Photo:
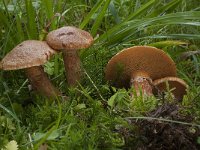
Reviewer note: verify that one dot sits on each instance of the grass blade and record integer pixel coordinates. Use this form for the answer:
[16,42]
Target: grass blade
[175,36]
[141,10]
[166,8]
[164,120]
[10,113]
[134,15]
[99,18]
[127,29]
[114,12]
[31,16]
[48,7]
[20,32]
[167,43]
[91,13]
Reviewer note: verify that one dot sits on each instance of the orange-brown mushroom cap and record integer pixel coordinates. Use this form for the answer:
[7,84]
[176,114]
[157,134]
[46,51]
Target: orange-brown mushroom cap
[27,54]
[69,38]
[173,82]
[150,60]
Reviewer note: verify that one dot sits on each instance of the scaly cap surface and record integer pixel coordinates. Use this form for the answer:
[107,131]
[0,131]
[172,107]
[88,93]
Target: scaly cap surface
[27,54]
[69,38]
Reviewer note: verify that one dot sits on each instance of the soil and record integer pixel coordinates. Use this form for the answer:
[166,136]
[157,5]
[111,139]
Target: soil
[160,135]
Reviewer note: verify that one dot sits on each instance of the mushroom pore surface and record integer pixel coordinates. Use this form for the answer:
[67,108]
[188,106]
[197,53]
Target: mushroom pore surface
[178,86]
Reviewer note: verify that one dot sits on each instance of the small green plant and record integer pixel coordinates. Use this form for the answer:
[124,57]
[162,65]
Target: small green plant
[12,145]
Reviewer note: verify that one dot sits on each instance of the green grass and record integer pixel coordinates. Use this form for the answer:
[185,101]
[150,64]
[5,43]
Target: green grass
[83,122]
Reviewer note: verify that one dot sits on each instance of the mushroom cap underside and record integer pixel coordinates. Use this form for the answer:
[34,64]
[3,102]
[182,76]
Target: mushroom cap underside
[178,86]
[69,38]
[150,60]
[27,54]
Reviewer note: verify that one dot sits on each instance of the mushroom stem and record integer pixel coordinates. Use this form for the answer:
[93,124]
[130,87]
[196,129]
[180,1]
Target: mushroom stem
[39,80]
[141,82]
[72,67]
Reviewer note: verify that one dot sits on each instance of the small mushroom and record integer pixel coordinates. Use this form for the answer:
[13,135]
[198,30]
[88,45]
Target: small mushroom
[30,55]
[70,40]
[137,66]
[178,86]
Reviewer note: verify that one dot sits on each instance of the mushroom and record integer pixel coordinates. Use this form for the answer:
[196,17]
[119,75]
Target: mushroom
[70,40]
[173,82]
[137,66]
[30,55]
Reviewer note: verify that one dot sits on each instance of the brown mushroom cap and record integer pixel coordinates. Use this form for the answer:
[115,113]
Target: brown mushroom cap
[69,38]
[174,82]
[27,54]
[150,60]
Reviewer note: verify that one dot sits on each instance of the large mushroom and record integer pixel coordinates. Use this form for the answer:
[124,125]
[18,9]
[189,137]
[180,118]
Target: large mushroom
[178,86]
[70,40]
[30,55]
[137,66]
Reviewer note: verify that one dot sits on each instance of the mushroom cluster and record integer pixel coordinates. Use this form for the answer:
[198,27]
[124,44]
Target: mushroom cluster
[30,55]
[144,67]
